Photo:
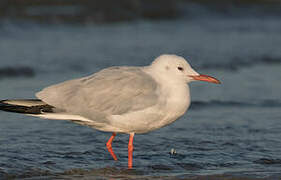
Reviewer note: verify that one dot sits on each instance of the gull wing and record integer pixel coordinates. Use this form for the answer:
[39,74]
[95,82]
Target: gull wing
[112,91]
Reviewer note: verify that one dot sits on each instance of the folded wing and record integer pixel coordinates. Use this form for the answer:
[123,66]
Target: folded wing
[112,91]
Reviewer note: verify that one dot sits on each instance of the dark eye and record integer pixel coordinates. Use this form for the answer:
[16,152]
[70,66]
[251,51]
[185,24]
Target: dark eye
[180,68]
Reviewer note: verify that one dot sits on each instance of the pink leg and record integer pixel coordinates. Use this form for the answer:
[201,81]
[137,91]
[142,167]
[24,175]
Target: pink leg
[130,151]
[109,147]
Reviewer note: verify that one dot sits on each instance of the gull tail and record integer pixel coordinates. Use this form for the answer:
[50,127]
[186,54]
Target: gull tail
[38,108]
[26,106]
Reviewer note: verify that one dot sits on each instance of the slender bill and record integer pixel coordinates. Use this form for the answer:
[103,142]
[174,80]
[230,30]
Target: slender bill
[206,78]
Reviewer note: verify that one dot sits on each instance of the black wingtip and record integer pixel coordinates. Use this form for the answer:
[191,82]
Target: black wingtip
[36,109]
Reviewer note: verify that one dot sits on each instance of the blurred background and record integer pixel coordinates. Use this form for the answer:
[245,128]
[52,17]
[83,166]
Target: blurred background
[230,131]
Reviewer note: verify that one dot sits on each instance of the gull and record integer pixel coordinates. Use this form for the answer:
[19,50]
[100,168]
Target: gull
[120,99]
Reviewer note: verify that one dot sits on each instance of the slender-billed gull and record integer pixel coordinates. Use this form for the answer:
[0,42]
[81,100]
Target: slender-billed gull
[120,99]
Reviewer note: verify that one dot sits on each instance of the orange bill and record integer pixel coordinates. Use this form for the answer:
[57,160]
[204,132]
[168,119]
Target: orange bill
[206,78]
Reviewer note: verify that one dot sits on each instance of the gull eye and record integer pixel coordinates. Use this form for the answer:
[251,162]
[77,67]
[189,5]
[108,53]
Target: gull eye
[180,68]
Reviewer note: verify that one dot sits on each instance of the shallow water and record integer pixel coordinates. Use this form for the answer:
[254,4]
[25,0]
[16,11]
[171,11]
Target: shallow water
[231,130]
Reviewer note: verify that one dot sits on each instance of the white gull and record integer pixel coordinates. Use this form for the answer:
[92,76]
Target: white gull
[119,99]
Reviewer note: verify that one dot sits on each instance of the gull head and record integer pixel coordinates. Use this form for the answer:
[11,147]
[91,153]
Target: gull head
[177,69]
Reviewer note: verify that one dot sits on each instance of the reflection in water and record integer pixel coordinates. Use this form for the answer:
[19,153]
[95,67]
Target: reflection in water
[113,173]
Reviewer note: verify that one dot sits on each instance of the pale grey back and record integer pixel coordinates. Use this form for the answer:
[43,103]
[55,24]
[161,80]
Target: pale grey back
[111,91]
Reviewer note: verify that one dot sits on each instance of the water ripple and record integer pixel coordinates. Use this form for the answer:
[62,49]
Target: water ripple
[268,161]
[268,103]
[12,72]
[237,63]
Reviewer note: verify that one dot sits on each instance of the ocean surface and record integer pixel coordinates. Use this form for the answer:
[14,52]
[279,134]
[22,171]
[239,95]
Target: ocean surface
[232,130]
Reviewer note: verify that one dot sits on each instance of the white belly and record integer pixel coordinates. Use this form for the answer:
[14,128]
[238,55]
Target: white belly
[170,108]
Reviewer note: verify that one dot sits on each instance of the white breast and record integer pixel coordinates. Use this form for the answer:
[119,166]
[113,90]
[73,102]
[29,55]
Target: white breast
[177,102]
